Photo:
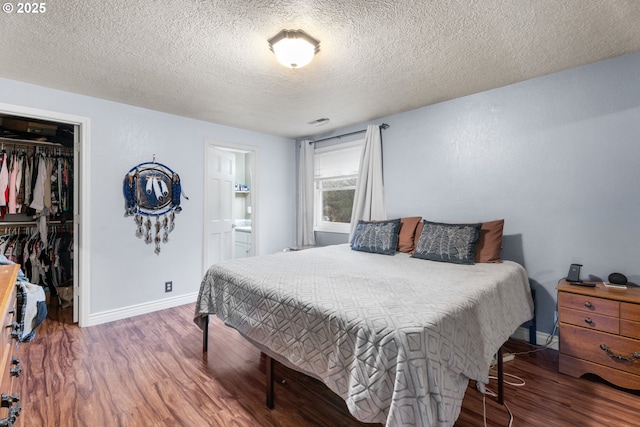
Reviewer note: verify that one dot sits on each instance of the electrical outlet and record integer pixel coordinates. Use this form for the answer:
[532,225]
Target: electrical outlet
[168,286]
[508,357]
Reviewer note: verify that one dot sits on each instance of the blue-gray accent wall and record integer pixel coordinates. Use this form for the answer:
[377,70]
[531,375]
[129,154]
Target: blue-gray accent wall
[557,157]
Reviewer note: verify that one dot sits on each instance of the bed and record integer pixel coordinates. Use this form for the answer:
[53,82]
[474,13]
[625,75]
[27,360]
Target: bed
[397,337]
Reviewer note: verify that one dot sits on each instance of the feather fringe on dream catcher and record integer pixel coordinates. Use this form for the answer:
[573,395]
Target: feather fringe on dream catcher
[152,195]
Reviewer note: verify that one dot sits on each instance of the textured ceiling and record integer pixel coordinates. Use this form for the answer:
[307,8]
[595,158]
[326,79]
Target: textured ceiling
[210,60]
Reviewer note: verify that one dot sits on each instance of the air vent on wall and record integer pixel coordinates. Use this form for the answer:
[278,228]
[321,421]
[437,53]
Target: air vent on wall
[320,122]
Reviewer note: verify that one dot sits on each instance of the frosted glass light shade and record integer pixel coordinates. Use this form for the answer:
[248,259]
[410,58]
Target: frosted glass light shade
[294,48]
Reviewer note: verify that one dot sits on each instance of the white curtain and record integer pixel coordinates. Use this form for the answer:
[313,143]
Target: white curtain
[368,202]
[305,196]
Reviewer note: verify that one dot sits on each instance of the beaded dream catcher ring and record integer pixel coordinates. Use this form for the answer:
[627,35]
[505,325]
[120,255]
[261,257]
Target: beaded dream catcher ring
[152,193]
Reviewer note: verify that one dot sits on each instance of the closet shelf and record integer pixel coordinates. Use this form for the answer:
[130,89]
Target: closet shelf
[11,141]
[34,223]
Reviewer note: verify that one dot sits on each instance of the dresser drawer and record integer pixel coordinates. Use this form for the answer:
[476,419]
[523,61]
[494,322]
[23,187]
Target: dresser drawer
[590,320]
[630,311]
[8,322]
[629,328]
[589,304]
[585,344]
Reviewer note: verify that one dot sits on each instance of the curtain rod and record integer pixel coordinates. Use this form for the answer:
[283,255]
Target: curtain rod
[382,126]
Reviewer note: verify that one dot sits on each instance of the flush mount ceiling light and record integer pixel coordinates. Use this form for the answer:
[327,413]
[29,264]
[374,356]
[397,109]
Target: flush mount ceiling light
[294,48]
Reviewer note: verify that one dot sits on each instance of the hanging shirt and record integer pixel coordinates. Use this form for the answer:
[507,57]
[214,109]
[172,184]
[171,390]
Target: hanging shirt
[59,179]
[27,180]
[19,186]
[4,180]
[47,182]
[13,179]
[38,188]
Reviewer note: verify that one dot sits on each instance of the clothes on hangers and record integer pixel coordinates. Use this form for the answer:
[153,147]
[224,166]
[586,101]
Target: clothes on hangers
[48,265]
[31,180]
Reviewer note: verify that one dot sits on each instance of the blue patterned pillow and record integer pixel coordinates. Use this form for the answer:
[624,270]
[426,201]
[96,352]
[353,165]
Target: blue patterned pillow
[454,243]
[380,237]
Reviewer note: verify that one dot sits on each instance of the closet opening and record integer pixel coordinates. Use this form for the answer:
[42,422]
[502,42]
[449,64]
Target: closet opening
[39,203]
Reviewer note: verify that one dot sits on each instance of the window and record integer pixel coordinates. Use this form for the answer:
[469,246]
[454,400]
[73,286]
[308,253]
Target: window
[335,176]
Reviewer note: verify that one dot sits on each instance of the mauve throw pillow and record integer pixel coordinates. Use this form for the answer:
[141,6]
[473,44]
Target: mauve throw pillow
[490,241]
[407,236]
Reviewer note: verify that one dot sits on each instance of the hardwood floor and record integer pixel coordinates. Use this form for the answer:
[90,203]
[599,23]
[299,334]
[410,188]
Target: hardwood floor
[150,371]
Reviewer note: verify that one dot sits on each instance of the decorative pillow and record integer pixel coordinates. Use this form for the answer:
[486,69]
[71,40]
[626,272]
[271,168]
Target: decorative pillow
[417,236]
[454,243]
[407,236]
[380,237]
[490,242]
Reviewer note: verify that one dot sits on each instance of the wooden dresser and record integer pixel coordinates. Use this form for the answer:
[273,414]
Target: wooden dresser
[600,333]
[9,364]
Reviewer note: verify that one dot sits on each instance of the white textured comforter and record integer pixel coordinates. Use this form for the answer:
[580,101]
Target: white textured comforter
[396,337]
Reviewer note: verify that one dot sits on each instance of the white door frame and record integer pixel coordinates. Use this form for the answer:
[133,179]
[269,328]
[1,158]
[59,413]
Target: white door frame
[81,251]
[252,194]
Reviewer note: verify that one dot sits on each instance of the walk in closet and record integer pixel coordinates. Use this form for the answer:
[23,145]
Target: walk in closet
[37,200]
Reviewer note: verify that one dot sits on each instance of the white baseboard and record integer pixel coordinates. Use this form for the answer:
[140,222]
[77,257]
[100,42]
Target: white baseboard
[522,333]
[136,310]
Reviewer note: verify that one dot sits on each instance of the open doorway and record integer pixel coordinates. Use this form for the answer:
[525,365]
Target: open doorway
[230,226]
[62,140]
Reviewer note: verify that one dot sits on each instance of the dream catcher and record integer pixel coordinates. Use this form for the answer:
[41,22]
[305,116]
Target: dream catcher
[152,194]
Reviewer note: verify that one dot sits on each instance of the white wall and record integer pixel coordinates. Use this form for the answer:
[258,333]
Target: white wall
[558,157]
[126,275]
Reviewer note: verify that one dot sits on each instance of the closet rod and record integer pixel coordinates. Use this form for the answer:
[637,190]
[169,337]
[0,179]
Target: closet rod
[11,141]
[10,224]
[382,126]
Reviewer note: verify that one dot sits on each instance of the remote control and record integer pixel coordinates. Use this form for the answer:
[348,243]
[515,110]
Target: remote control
[586,284]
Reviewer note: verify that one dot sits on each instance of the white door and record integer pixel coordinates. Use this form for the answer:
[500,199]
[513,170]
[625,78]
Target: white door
[219,192]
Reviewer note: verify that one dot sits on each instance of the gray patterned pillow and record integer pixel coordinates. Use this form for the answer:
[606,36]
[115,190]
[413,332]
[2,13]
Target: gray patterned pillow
[380,237]
[454,243]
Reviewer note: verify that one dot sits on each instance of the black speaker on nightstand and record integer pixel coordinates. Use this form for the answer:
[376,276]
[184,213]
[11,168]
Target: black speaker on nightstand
[620,279]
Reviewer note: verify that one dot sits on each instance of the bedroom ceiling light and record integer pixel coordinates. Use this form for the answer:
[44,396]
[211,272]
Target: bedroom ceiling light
[294,48]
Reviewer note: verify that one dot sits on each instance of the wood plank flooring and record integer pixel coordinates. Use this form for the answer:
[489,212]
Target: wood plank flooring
[150,371]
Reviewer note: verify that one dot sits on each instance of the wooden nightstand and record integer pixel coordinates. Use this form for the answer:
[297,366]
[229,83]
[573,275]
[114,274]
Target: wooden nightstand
[600,333]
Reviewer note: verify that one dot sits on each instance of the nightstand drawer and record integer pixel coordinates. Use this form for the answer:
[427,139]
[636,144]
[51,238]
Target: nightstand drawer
[586,344]
[629,328]
[590,320]
[630,311]
[589,304]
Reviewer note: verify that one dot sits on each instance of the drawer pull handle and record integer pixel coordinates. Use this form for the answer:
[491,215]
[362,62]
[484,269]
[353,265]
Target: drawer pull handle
[588,320]
[634,355]
[14,325]
[587,304]
[15,372]
[11,418]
